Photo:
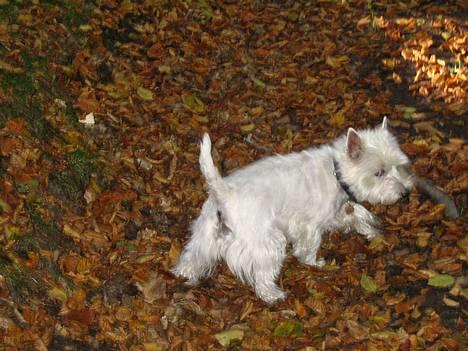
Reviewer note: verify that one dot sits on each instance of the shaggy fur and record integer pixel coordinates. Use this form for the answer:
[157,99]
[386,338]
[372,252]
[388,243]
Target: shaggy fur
[251,215]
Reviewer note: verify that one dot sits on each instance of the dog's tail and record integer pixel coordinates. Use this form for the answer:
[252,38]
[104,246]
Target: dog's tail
[216,184]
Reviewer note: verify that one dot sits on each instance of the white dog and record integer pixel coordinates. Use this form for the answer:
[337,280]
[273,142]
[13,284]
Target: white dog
[253,213]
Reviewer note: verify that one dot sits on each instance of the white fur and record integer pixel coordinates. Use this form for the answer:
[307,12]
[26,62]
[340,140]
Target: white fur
[251,215]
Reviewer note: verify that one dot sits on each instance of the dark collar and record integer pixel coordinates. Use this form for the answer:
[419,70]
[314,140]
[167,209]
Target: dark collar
[343,184]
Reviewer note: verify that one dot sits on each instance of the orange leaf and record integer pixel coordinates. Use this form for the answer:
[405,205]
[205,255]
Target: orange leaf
[260,53]
[300,308]
[84,316]
[110,197]
[77,300]
[156,51]
[7,145]
[15,126]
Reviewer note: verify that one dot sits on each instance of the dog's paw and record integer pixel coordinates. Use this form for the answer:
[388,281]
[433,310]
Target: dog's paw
[377,235]
[192,282]
[272,295]
[320,262]
[373,233]
[314,262]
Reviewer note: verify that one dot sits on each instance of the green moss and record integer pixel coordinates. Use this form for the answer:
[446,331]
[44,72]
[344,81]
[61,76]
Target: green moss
[27,186]
[73,14]
[46,234]
[20,282]
[81,165]
[25,100]
[105,177]
[70,185]
[24,244]
[9,11]
[71,114]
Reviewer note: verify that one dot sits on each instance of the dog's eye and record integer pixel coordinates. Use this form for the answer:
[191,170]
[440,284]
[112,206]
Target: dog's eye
[380,173]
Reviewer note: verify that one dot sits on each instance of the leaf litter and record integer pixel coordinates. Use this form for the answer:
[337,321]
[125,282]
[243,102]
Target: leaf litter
[102,104]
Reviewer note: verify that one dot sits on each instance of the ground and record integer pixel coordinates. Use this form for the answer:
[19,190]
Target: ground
[102,106]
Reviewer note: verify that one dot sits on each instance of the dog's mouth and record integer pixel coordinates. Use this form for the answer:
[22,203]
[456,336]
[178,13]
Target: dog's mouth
[401,194]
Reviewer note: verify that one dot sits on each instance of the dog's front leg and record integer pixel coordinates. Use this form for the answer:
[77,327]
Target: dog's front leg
[357,217]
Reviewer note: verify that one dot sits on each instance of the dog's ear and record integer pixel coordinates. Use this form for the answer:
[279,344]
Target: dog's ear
[353,144]
[385,123]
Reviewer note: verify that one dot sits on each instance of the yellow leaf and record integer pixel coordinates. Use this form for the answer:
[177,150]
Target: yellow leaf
[164,69]
[225,337]
[375,243]
[257,111]
[258,82]
[58,294]
[117,91]
[336,61]
[153,346]
[85,28]
[389,63]
[77,300]
[247,128]
[368,283]
[193,103]
[201,118]
[123,314]
[9,68]
[4,206]
[174,252]
[364,21]
[24,18]
[69,231]
[337,120]
[12,231]
[145,94]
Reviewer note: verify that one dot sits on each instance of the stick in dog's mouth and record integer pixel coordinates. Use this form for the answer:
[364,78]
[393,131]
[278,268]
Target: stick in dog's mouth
[426,187]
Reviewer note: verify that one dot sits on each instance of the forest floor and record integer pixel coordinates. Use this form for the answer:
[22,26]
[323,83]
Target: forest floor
[102,106]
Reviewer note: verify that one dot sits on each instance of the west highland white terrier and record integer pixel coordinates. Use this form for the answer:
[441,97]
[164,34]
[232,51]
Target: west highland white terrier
[251,215]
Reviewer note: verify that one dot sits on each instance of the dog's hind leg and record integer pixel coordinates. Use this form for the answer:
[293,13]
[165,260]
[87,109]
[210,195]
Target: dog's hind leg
[306,247]
[259,263]
[201,253]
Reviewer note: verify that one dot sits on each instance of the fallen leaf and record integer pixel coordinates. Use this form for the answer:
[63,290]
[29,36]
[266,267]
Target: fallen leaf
[441,281]
[288,328]
[145,94]
[368,283]
[58,294]
[164,69]
[258,82]
[247,128]
[337,61]
[337,120]
[84,316]
[25,19]
[154,288]
[88,119]
[193,103]
[9,68]
[88,103]
[226,337]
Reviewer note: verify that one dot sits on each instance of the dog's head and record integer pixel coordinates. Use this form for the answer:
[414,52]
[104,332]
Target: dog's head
[373,166]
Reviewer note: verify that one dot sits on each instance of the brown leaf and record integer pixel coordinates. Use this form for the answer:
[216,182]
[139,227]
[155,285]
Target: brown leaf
[88,103]
[154,288]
